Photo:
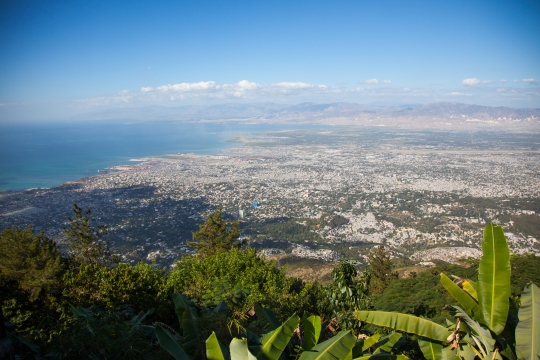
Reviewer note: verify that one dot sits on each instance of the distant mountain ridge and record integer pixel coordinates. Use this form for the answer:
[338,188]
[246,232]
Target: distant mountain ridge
[442,115]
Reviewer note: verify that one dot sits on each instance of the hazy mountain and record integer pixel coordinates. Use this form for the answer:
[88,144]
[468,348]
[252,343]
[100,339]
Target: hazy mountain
[449,116]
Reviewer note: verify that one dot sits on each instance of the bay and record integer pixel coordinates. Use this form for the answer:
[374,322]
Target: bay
[37,155]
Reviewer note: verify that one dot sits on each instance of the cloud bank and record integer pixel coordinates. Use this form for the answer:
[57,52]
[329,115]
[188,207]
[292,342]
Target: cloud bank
[245,91]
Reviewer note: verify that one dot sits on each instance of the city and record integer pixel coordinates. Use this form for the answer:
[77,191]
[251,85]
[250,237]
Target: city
[321,194]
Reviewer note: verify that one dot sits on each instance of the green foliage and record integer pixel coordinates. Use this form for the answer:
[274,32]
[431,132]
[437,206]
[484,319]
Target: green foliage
[494,279]
[423,295]
[337,347]
[525,269]
[216,235]
[468,302]
[215,349]
[479,329]
[381,270]
[249,279]
[528,330]
[84,240]
[29,263]
[141,286]
[347,293]
[274,342]
[406,323]
[312,331]
[169,342]
[30,281]
[101,335]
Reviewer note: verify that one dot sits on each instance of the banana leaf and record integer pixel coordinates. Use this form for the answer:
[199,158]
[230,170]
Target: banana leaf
[215,349]
[434,350]
[273,343]
[528,329]
[312,331]
[267,317]
[470,287]
[168,342]
[337,347]
[221,309]
[181,302]
[482,336]
[190,327]
[406,323]
[469,304]
[382,356]
[388,343]
[494,279]
[239,350]
[465,352]
[370,341]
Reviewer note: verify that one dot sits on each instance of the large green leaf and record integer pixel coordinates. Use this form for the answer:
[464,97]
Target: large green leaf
[528,329]
[215,349]
[382,356]
[470,287]
[273,343]
[239,350]
[169,343]
[190,327]
[432,350]
[312,330]
[494,279]
[370,341]
[181,304]
[337,347]
[406,323]
[267,317]
[469,304]
[388,343]
[466,352]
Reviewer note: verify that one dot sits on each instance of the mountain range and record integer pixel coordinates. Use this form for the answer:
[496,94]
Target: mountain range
[442,115]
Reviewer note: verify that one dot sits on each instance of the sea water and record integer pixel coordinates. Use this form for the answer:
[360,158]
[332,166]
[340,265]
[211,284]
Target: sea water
[36,155]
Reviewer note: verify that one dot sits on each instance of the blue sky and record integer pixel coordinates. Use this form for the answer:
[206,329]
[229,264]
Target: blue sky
[66,57]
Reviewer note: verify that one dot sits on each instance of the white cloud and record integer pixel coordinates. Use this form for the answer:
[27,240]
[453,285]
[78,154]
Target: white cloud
[188,87]
[475,81]
[516,80]
[376,81]
[470,82]
[531,81]
[293,85]
[371,81]
[245,91]
[503,81]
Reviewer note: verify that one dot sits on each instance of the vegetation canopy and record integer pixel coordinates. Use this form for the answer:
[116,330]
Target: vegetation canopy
[216,235]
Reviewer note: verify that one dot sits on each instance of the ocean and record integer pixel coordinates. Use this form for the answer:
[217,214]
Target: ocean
[42,155]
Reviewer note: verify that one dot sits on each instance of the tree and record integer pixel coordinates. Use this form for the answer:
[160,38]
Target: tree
[348,293]
[381,270]
[29,262]
[31,269]
[216,235]
[84,240]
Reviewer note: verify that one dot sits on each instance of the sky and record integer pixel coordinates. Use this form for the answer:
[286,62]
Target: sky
[61,58]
